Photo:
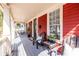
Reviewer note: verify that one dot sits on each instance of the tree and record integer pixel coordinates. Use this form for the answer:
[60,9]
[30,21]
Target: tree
[1,21]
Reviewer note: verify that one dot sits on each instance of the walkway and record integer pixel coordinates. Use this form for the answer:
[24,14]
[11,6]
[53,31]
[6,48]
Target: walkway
[24,47]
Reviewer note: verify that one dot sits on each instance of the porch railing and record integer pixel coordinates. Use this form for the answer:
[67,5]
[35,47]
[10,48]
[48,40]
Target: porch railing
[5,46]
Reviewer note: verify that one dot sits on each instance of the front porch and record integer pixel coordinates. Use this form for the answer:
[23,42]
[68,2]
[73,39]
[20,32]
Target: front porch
[59,23]
[24,47]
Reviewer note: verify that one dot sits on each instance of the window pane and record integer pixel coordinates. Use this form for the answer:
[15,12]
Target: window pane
[54,22]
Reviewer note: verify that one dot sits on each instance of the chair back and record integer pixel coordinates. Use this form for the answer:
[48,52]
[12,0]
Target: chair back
[44,36]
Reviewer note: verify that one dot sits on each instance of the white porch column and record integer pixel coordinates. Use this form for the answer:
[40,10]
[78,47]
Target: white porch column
[37,27]
[6,48]
[12,29]
[33,28]
[6,23]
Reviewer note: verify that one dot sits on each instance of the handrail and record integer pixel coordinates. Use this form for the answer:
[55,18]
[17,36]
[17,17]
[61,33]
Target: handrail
[6,46]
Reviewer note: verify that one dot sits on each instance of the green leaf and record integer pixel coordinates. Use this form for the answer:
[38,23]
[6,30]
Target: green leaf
[1,21]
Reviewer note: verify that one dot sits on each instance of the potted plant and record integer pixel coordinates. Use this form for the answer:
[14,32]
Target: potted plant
[52,36]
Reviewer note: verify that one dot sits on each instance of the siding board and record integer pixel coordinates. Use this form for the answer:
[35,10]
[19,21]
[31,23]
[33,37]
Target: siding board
[70,18]
[42,20]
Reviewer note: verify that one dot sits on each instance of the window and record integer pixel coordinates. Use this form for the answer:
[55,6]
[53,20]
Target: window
[1,22]
[54,22]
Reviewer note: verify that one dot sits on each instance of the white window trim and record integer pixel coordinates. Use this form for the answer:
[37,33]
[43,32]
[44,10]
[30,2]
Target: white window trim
[61,23]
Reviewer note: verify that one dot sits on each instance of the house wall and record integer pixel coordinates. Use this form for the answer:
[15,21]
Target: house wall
[42,21]
[47,11]
[70,24]
[71,19]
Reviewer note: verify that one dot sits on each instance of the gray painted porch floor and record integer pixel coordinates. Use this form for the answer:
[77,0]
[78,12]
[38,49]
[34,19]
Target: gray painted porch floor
[22,46]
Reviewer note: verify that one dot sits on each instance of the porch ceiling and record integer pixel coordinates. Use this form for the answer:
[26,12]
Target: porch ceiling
[26,11]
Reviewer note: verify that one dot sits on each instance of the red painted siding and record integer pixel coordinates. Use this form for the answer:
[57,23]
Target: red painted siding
[71,18]
[42,20]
